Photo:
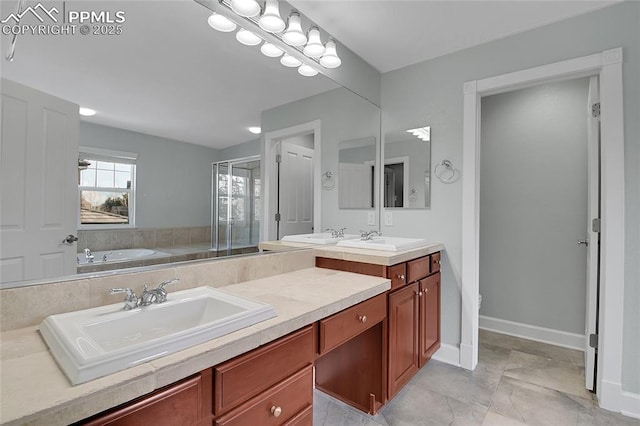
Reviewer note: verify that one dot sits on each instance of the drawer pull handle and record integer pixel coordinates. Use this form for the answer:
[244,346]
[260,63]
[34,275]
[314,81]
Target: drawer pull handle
[276,411]
[362,318]
[401,276]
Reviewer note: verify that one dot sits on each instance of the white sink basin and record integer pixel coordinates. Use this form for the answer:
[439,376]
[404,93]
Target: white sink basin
[95,342]
[386,243]
[319,238]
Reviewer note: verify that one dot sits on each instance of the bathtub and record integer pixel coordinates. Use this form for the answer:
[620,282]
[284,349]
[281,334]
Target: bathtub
[123,255]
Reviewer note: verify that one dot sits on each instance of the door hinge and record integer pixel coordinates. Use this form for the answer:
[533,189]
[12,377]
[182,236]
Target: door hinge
[593,341]
[278,158]
[277,217]
[595,225]
[595,110]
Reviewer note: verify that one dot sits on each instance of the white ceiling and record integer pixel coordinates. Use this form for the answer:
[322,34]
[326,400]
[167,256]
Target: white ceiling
[171,75]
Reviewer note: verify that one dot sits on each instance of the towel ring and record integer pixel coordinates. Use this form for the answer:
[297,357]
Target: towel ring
[328,182]
[445,172]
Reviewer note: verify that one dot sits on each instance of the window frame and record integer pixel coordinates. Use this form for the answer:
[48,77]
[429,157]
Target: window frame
[108,155]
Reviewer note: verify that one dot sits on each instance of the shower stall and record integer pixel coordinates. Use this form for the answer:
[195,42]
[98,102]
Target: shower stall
[235,206]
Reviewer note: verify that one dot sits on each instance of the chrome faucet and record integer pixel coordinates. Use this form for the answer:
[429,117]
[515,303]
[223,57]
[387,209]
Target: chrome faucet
[336,233]
[88,255]
[148,297]
[368,235]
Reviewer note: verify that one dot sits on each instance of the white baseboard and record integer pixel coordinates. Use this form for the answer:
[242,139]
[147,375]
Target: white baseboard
[448,354]
[533,332]
[630,404]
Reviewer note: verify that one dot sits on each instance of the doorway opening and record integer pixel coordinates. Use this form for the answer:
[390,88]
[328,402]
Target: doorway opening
[291,181]
[607,65]
[538,258]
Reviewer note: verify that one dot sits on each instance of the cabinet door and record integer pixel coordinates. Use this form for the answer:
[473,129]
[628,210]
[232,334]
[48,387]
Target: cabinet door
[403,337]
[429,297]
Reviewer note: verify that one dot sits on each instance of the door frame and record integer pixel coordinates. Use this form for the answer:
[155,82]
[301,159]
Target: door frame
[607,65]
[268,226]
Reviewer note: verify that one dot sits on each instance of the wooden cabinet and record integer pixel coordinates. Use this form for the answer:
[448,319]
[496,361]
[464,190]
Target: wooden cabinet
[429,305]
[187,402]
[403,337]
[351,365]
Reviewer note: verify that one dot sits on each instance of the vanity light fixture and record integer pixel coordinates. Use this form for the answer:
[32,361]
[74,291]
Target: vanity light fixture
[270,50]
[305,52]
[270,19]
[314,47]
[307,70]
[247,38]
[221,23]
[422,133]
[87,112]
[294,36]
[289,61]
[255,130]
[246,8]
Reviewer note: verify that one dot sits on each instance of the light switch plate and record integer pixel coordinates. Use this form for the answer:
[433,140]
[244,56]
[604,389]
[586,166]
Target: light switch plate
[371,218]
[388,219]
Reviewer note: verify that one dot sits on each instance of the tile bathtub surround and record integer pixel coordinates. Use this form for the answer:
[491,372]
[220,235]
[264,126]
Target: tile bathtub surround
[98,240]
[517,382]
[28,306]
[29,373]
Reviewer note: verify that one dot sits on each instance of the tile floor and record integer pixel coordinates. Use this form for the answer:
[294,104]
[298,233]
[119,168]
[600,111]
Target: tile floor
[517,382]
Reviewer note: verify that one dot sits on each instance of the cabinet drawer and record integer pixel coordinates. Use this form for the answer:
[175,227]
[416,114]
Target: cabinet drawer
[246,376]
[398,275]
[418,269]
[435,262]
[352,321]
[290,400]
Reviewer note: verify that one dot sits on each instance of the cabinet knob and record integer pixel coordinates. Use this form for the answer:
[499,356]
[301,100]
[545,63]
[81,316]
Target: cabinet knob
[276,411]
[362,318]
[401,276]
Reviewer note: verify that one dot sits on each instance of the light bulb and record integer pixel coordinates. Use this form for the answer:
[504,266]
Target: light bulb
[255,130]
[246,8]
[270,19]
[86,112]
[270,50]
[330,58]
[314,47]
[294,36]
[307,70]
[289,61]
[247,37]
[221,23]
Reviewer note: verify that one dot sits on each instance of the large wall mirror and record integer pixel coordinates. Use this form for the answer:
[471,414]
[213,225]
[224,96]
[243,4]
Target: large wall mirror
[169,104]
[407,168]
[356,173]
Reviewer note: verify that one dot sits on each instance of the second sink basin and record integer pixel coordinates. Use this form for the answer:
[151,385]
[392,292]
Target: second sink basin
[319,238]
[95,342]
[385,243]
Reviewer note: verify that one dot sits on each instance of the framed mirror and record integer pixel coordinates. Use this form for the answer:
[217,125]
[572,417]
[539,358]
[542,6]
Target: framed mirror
[171,103]
[406,182]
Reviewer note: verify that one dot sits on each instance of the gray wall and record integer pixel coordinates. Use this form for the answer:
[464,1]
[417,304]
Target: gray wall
[533,205]
[344,116]
[173,178]
[431,92]
[242,150]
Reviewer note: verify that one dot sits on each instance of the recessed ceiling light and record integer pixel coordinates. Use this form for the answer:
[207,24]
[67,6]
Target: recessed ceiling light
[87,112]
[255,130]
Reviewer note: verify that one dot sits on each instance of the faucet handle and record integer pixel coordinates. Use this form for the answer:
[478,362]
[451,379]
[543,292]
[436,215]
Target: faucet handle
[131,301]
[163,284]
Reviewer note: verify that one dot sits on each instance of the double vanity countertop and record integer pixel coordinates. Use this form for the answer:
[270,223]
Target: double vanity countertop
[376,257]
[35,391]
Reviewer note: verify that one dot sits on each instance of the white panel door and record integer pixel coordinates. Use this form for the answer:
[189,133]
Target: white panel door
[593,237]
[38,173]
[296,190]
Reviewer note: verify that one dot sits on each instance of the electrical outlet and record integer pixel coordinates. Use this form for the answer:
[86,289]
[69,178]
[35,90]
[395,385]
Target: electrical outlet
[388,218]
[371,218]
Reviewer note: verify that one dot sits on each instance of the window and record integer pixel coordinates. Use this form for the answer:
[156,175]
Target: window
[106,181]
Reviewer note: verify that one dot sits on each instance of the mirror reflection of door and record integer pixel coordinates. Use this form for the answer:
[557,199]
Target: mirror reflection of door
[394,185]
[295,186]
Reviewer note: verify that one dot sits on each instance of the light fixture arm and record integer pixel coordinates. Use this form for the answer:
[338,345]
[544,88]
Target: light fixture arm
[223,7]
